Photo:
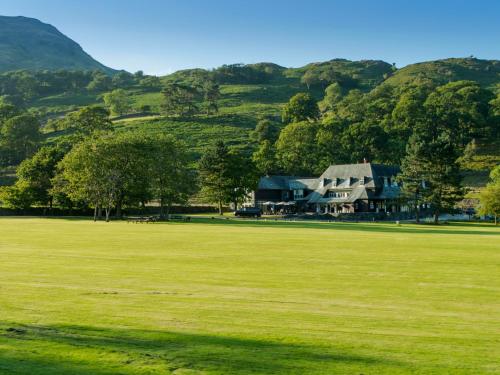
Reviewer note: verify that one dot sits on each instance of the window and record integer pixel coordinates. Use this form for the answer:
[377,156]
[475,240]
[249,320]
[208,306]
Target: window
[332,194]
[372,206]
[298,194]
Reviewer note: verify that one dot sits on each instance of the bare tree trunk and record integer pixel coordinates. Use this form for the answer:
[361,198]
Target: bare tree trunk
[95,213]
[220,207]
[496,219]
[436,217]
[99,212]
[108,211]
[119,209]
[161,208]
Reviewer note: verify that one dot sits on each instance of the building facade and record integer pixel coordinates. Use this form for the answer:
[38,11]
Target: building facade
[348,188]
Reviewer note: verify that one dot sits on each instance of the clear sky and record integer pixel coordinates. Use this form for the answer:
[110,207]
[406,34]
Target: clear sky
[161,36]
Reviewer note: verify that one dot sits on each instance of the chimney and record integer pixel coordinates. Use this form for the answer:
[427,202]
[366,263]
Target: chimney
[365,161]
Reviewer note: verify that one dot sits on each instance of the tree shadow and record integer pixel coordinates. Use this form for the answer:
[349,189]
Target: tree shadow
[451,229]
[170,351]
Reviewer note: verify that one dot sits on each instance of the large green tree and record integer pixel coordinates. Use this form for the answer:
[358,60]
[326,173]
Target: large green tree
[490,196]
[171,180]
[35,176]
[433,158]
[297,149]
[89,119]
[118,102]
[300,107]
[226,176]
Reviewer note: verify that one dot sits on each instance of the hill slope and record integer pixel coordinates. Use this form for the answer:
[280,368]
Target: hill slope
[484,72]
[27,43]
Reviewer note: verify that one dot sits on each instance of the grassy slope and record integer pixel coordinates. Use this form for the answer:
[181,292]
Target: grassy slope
[242,298]
[485,72]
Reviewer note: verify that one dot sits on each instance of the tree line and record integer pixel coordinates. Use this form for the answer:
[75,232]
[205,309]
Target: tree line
[20,87]
[99,168]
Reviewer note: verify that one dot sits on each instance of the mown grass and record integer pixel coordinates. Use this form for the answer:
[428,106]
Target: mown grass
[237,297]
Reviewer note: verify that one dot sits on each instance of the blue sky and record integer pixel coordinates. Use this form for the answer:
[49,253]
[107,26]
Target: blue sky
[161,36]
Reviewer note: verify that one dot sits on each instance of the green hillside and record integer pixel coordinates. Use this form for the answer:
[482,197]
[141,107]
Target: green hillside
[485,72]
[27,43]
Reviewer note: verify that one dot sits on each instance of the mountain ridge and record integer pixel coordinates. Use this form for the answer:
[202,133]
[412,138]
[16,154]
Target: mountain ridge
[30,44]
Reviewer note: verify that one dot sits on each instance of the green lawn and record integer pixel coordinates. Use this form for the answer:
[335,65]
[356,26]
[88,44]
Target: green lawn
[227,297]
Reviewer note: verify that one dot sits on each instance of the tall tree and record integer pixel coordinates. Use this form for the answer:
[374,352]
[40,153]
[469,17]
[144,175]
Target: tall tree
[226,176]
[297,148]
[264,158]
[301,107]
[490,196]
[432,158]
[34,176]
[265,130]
[171,180]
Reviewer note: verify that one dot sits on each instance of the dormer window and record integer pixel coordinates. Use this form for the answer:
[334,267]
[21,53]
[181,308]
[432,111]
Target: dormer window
[349,181]
[335,182]
[363,180]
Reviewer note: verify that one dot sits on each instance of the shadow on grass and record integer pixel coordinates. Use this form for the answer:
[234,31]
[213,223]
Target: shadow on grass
[455,228]
[102,351]
[449,229]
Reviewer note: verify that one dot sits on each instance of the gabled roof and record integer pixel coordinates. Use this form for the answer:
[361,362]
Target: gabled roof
[361,180]
[287,183]
[352,175]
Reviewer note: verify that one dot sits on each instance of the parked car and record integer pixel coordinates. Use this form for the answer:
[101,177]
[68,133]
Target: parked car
[248,212]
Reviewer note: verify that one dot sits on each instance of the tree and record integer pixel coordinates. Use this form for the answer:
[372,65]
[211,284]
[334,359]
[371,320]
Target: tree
[297,148]
[89,119]
[264,158]
[180,100]
[118,102]
[211,95]
[489,197]
[100,82]
[301,107]
[34,177]
[432,158]
[105,171]
[226,176]
[20,137]
[171,180]
[265,130]
[122,79]
[333,95]
[463,107]
[243,177]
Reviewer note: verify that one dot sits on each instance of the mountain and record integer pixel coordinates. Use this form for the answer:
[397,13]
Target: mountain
[27,43]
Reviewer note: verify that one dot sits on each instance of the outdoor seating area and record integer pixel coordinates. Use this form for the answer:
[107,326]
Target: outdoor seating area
[278,208]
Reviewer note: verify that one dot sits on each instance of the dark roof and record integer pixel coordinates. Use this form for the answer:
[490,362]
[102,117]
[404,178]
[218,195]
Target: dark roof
[362,181]
[287,183]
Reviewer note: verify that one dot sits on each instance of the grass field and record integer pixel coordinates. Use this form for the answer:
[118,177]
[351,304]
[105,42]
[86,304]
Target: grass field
[217,297]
